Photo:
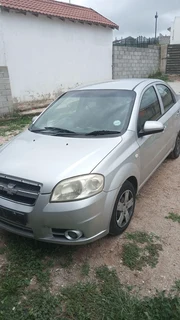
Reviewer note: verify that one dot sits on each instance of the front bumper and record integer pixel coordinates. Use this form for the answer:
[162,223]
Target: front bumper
[49,221]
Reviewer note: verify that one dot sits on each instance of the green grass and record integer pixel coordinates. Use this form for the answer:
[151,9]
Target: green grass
[34,305]
[102,299]
[159,75]
[177,286]
[85,268]
[140,251]
[107,299]
[141,237]
[28,259]
[16,123]
[2,250]
[174,217]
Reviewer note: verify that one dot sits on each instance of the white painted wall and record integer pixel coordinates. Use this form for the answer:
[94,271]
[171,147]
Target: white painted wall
[45,56]
[2,46]
[175,31]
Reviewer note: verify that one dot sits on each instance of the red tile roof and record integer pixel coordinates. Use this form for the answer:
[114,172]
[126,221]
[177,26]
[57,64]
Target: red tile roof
[59,9]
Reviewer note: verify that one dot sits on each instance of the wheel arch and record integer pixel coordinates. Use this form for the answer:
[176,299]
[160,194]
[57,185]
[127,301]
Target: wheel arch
[129,171]
[134,182]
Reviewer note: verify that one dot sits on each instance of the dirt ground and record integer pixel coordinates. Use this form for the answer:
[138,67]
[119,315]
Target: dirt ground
[160,196]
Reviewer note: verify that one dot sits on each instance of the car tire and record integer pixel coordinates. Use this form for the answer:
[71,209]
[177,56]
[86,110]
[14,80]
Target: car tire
[123,209]
[176,152]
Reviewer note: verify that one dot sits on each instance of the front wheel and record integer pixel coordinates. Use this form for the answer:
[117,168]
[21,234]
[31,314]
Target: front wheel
[123,209]
[176,152]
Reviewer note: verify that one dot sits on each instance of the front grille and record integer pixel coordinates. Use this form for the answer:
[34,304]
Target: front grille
[14,219]
[18,190]
[16,227]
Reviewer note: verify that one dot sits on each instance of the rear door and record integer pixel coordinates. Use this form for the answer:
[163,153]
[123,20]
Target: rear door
[171,116]
[152,147]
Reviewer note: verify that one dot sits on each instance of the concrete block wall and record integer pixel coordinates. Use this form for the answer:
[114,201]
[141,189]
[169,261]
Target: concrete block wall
[132,62]
[6,105]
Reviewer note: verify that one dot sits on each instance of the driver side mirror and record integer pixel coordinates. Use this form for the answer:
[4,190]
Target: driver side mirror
[151,127]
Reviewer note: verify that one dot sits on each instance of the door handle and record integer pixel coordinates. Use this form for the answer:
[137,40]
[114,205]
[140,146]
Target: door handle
[178,112]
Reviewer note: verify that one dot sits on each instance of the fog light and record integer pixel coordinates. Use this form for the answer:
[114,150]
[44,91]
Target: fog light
[73,234]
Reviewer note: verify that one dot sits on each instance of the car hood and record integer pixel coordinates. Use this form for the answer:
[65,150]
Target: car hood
[48,159]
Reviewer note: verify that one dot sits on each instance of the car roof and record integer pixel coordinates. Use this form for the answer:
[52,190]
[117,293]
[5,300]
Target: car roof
[123,84]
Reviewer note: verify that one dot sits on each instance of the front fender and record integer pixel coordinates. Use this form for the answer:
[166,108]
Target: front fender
[126,171]
[121,163]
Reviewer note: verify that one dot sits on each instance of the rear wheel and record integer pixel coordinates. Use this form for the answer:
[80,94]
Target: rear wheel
[123,209]
[176,152]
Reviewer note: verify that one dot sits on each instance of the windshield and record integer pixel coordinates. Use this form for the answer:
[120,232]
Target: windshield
[86,112]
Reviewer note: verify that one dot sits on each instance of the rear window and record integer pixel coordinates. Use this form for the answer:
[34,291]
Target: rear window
[166,96]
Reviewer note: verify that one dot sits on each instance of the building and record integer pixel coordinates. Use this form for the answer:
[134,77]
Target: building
[47,47]
[175,31]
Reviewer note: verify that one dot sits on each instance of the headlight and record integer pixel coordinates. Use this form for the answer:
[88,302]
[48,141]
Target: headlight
[78,188]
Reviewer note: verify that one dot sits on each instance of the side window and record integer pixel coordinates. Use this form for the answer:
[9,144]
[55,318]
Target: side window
[149,109]
[166,95]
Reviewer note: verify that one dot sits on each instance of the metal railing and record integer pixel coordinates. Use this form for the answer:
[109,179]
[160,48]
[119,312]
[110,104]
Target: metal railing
[140,42]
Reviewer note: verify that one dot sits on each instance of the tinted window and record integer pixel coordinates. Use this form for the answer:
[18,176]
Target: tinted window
[149,108]
[166,96]
[84,111]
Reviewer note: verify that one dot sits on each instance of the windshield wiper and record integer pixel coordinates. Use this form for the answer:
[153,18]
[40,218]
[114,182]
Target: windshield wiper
[60,130]
[55,130]
[102,132]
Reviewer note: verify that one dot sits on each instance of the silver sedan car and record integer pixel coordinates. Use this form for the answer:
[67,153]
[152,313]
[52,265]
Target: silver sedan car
[73,176]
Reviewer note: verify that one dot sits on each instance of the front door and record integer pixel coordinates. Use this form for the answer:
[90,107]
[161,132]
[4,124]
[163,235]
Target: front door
[152,147]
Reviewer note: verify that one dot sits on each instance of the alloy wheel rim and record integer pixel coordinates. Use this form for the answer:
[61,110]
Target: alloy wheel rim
[125,208]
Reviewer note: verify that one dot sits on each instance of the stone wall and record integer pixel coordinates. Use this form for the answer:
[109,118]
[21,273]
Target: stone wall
[132,62]
[6,105]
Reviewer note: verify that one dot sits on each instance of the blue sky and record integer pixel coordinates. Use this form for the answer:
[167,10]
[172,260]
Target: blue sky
[136,17]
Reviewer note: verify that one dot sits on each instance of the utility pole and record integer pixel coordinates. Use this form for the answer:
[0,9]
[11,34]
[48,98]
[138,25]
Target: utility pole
[156,24]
